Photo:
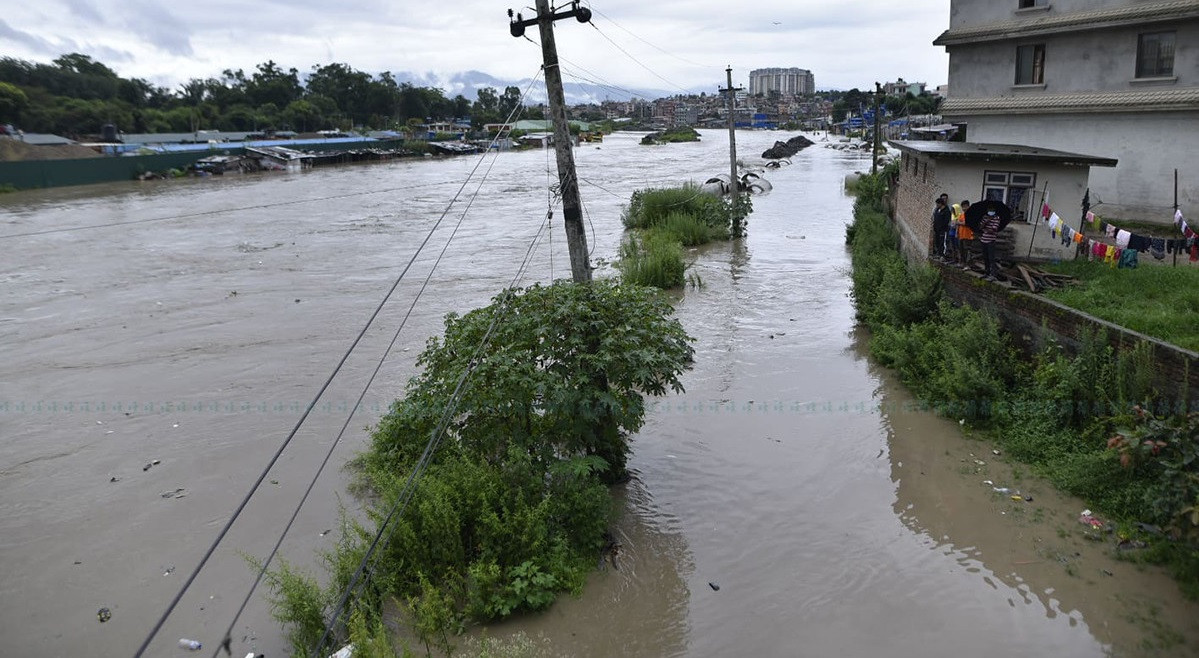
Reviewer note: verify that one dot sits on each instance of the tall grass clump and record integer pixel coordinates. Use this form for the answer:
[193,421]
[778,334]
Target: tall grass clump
[652,258]
[650,207]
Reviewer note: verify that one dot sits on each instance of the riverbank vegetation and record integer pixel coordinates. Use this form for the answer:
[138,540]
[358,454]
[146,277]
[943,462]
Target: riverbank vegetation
[664,220]
[1090,422]
[533,398]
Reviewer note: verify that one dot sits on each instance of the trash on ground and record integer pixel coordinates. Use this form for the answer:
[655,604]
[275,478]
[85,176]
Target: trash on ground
[103,614]
[178,493]
[1086,518]
[714,586]
[995,452]
[345,652]
[191,645]
[114,479]
[1018,498]
[1000,489]
[169,570]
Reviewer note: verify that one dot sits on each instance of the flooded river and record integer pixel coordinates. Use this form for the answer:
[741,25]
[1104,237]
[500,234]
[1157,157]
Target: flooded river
[791,503]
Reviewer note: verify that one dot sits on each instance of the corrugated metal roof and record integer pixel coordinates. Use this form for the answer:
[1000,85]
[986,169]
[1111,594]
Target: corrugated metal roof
[979,151]
[43,139]
[1073,21]
[1137,100]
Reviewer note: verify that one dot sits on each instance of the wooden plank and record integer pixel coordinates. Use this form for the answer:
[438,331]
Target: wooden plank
[1027,278]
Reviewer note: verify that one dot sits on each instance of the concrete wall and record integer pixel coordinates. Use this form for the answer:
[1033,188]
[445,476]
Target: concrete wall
[1149,147]
[964,180]
[969,13]
[1035,319]
[1095,60]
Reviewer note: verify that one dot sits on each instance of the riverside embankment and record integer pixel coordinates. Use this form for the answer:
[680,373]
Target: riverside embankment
[834,518]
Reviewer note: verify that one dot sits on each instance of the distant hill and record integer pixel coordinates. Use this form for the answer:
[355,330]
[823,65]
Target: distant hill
[468,83]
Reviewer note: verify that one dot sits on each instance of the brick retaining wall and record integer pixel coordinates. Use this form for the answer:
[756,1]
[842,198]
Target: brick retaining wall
[1034,319]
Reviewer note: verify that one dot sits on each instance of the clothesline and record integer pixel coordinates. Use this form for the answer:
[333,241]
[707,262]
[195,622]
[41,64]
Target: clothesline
[1128,244]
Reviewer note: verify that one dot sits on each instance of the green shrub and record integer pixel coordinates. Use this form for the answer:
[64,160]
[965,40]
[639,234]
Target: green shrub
[514,503]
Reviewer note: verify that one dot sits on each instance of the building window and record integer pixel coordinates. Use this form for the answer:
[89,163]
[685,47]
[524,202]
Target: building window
[1030,64]
[1029,4]
[1012,188]
[1155,54]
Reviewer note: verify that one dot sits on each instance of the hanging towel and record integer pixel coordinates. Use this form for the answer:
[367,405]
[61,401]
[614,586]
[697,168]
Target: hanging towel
[1093,220]
[1128,259]
[1157,248]
[1077,238]
[1109,254]
[1109,230]
[1097,249]
[1122,237]
[1045,211]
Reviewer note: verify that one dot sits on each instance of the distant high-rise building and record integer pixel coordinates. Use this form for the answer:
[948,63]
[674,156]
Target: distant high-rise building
[787,82]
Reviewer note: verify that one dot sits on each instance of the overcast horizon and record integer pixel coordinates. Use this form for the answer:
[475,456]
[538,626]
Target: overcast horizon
[668,47]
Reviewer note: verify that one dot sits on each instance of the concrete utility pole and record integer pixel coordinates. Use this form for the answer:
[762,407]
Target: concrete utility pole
[878,96]
[568,182]
[734,188]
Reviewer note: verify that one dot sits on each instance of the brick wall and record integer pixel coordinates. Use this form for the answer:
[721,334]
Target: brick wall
[915,194]
[1034,320]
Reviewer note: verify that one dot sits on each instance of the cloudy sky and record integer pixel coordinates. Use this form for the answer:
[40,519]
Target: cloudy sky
[666,44]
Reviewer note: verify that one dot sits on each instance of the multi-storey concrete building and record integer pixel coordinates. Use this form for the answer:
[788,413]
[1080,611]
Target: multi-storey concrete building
[787,82]
[1112,78]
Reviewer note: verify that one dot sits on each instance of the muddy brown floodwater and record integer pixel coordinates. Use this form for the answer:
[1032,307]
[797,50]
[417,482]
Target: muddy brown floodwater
[188,336]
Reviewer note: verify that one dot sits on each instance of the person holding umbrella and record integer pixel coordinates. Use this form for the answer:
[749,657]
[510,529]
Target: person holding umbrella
[987,218]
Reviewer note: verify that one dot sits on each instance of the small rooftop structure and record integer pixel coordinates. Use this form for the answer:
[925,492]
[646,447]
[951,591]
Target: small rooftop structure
[1010,152]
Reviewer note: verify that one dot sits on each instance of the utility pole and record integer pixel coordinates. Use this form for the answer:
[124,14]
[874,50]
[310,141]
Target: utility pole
[733,181]
[568,183]
[878,95]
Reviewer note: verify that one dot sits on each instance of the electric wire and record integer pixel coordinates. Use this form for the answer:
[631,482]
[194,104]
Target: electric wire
[648,43]
[401,502]
[208,213]
[279,452]
[357,404]
[637,61]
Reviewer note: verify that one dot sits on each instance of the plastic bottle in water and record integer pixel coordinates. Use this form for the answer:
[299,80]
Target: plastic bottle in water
[193,645]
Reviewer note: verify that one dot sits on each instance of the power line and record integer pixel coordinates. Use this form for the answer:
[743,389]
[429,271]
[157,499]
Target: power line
[401,502]
[208,213]
[637,61]
[279,452]
[648,43]
[227,637]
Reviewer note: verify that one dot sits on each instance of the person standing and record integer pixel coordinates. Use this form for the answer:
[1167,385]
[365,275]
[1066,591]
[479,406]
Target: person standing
[989,229]
[965,234]
[941,219]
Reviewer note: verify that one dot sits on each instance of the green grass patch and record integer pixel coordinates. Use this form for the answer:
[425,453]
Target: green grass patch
[1160,301]
[653,257]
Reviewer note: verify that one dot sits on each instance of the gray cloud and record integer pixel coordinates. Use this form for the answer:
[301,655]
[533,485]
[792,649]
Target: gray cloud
[84,9]
[36,43]
[151,21]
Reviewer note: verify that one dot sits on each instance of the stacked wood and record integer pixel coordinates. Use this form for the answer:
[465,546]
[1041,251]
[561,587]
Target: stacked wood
[1038,280]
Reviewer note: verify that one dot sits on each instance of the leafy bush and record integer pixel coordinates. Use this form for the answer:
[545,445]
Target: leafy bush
[514,503]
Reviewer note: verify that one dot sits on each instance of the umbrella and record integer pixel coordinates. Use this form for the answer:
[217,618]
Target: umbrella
[976,212]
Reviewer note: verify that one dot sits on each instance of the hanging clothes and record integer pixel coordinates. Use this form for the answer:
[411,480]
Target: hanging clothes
[1109,254]
[1138,242]
[1109,230]
[1128,259]
[1093,220]
[1157,248]
[1122,238]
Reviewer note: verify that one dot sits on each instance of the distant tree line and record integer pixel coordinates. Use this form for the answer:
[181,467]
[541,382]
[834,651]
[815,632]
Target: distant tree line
[851,102]
[75,95]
